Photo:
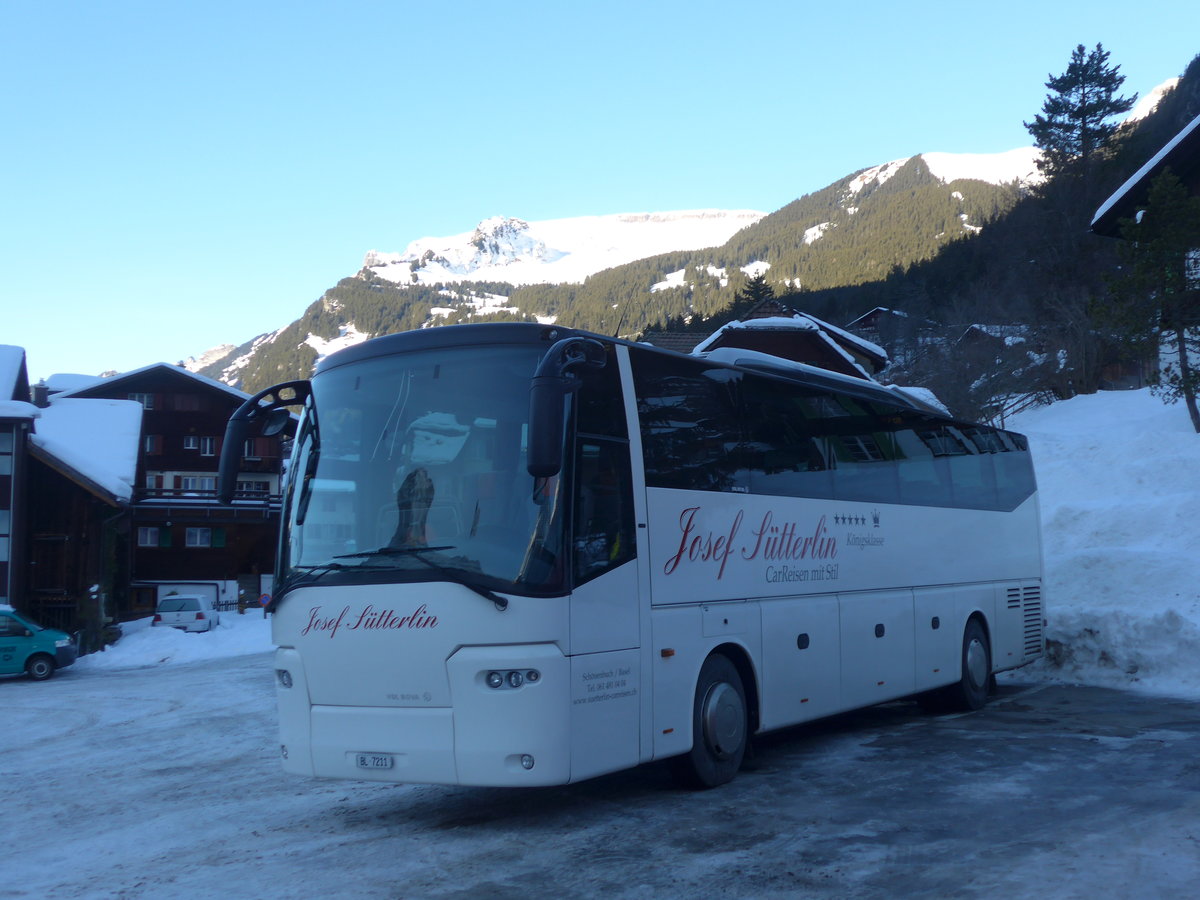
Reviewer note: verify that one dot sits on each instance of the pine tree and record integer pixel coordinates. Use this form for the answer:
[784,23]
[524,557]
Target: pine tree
[1156,297]
[754,292]
[1076,112]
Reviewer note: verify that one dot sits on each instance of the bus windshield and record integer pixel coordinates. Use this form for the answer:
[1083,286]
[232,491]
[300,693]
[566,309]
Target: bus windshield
[411,467]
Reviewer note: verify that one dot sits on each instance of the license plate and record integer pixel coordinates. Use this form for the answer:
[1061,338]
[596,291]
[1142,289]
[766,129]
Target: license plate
[374,760]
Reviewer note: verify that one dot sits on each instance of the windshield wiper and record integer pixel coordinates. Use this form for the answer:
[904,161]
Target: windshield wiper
[448,574]
[302,575]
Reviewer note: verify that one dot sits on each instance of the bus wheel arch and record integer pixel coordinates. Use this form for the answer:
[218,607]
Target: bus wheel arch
[721,720]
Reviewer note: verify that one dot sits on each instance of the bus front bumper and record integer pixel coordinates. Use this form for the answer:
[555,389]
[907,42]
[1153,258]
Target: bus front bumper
[495,735]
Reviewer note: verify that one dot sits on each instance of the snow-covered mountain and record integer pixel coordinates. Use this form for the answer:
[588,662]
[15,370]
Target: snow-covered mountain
[514,251]
[208,357]
[553,251]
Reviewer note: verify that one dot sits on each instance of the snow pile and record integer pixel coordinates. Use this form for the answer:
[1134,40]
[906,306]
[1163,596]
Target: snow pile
[143,645]
[1120,490]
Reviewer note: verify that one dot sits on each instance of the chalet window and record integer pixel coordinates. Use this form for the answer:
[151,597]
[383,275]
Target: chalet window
[205,537]
[147,400]
[198,483]
[153,444]
[208,446]
[254,487]
[147,536]
[248,451]
[191,442]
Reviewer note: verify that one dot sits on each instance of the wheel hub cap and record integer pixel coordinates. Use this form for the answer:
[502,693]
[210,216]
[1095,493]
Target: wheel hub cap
[977,663]
[724,720]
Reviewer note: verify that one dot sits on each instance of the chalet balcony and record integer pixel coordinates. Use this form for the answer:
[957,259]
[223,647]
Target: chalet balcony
[188,497]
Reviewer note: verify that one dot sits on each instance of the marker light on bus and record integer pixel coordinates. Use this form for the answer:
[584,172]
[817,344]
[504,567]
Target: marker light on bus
[512,678]
[284,677]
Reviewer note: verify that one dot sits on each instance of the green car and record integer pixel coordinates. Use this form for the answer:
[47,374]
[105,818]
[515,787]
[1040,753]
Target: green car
[26,646]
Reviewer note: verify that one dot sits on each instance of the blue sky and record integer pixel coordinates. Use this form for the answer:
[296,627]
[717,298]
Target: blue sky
[179,175]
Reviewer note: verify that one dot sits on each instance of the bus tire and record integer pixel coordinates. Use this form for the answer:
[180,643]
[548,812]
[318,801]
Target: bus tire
[39,667]
[971,691]
[720,726]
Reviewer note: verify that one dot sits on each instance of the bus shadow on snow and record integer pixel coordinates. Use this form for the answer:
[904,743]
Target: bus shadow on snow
[783,753]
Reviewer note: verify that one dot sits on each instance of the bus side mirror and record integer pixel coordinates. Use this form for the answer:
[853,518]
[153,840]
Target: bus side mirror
[546,393]
[554,379]
[272,418]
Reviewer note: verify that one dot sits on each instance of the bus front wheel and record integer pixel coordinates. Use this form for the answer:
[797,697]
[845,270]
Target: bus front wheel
[719,726]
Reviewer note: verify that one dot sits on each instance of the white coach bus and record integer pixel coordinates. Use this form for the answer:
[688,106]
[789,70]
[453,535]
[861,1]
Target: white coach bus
[515,554]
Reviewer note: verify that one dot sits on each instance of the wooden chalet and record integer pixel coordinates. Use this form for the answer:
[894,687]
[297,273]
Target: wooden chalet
[67,489]
[181,538]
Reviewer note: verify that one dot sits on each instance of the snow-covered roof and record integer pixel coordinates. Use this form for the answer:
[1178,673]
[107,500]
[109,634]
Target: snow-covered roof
[17,409]
[1186,144]
[92,442]
[12,373]
[63,382]
[107,383]
[803,322]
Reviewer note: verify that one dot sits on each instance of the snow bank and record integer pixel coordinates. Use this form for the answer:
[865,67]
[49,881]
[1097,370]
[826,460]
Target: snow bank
[1120,490]
[143,645]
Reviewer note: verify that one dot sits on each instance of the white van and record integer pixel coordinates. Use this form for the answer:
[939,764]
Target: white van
[187,612]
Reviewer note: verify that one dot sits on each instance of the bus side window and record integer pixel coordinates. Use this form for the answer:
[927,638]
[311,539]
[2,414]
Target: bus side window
[603,527]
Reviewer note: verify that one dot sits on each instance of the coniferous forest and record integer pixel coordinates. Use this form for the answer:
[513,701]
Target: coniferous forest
[1019,261]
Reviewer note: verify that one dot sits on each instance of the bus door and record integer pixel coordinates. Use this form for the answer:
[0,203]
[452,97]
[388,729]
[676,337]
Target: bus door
[605,600]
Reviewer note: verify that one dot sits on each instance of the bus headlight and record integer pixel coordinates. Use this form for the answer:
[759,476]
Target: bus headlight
[495,680]
[515,679]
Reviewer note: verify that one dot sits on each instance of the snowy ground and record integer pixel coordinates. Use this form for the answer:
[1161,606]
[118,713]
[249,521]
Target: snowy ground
[149,770]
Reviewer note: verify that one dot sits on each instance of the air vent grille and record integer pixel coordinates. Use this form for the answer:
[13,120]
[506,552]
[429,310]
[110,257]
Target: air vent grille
[1031,602]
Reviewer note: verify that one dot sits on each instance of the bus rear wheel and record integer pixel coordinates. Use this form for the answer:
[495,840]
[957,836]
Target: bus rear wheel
[971,691]
[720,725]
